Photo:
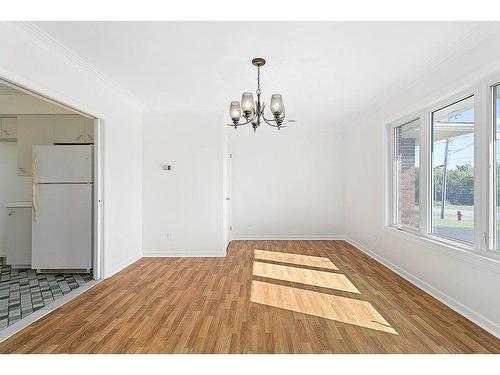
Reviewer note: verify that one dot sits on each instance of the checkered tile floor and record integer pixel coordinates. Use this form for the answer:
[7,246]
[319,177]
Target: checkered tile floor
[23,291]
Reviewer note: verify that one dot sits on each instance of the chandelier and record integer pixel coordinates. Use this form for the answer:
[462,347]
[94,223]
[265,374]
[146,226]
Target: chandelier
[252,111]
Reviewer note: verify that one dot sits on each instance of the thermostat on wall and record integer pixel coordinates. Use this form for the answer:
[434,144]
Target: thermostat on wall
[166,167]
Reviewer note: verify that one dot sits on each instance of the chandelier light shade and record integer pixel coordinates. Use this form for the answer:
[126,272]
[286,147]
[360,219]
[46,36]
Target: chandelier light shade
[253,111]
[247,103]
[277,105]
[235,111]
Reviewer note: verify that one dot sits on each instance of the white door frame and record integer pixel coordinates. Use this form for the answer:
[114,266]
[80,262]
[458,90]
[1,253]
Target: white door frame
[98,254]
[98,232]
[227,192]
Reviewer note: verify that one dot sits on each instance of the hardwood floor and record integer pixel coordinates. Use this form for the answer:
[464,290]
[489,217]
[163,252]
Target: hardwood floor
[333,300]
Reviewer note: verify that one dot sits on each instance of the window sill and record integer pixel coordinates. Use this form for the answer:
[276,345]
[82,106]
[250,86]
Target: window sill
[464,253]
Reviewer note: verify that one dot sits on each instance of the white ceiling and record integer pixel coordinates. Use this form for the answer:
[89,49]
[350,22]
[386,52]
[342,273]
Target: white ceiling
[326,71]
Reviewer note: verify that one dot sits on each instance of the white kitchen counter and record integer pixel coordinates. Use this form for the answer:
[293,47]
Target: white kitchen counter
[17,204]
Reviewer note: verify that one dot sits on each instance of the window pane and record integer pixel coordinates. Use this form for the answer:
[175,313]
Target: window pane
[496,119]
[453,171]
[407,174]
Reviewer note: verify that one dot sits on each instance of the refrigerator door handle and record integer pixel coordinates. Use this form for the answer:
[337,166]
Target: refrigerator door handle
[33,165]
[34,202]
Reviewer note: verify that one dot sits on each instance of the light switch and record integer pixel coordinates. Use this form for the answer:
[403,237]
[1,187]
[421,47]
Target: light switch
[166,167]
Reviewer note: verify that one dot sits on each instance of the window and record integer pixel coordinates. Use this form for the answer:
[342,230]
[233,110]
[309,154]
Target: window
[496,127]
[443,164]
[453,171]
[407,170]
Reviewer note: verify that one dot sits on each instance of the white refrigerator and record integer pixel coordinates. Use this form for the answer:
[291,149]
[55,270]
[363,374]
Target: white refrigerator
[62,207]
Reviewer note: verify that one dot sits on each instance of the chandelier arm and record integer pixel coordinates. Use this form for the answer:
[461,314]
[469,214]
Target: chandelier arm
[267,119]
[264,117]
[271,120]
[237,125]
[245,123]
[270,123]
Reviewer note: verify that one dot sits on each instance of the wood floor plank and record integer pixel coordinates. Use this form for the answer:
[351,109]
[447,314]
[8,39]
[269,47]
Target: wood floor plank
[299,259]
[342,309]
[304,276]
[204,305]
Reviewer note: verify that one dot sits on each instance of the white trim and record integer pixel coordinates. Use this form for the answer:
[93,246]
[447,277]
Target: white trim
[98,233]
[41,38]
[39,314]
[463,310]
[438,245]
[490,138]
[391,211]
[183,254]
[336,237]
[122,265]
[98,216]
[226,204]
[481,186]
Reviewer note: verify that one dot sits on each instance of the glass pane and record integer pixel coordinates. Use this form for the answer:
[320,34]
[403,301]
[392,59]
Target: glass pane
[407,174]
[496,119]
[453,171]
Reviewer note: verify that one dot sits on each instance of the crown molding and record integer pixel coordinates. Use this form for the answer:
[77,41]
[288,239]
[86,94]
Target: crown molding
[47,42]
[466,41]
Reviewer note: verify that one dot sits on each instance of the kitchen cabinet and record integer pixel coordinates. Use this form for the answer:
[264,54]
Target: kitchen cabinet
[47,130]
[18,235]
[69,129]
[89,130]
[8,128]
[32,130]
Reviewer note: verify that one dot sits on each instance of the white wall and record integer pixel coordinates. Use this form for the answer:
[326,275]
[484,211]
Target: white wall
[44,66]
[13,188]
[286,183]
[467,283]
[188,200]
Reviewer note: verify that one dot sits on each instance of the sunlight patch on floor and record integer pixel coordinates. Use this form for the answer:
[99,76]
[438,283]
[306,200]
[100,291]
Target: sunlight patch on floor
[304,276]
[302,260]
[341,309]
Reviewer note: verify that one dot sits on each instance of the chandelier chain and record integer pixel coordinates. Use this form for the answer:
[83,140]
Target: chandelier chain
[258,81]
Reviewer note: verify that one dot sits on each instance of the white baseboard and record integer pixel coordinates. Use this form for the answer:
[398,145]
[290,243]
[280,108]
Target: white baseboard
[120,266]
[468,313]
[177,254]
[288,238]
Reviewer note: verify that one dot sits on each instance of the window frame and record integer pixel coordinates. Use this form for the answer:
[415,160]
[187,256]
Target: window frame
[394,181]
[482,173]
[490,119]
[463,95]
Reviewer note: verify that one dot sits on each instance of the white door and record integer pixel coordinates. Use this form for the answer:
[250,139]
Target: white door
[66,164]
[62,226]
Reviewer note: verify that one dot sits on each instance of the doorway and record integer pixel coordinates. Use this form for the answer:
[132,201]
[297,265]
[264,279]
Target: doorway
[51,193]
